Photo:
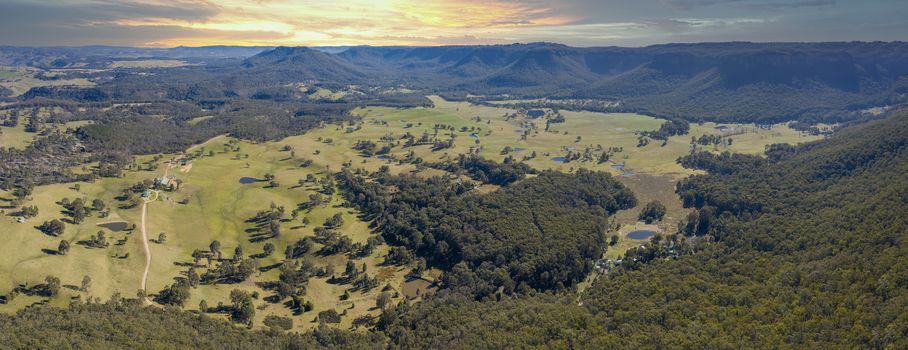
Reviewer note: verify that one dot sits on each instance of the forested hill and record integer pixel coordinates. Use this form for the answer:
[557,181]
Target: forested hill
[811,254]
[729,82]
[720,81]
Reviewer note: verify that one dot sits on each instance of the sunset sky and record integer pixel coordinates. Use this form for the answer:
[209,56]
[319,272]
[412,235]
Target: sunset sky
[162,23]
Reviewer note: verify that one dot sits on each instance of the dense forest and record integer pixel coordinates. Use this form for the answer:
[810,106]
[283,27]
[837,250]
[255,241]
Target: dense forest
[541,233]
[124,324]
[808,253]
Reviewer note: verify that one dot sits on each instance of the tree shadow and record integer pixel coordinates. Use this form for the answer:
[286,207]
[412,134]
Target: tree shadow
[50,251]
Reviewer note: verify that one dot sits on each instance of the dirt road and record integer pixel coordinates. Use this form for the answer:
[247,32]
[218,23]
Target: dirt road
[145,245]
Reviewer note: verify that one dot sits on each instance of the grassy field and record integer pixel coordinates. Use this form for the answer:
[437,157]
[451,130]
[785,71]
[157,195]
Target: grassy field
[20,80]
[219,205]
[17,137]
[197,120]
[217,209]
[326,94]
[148,64]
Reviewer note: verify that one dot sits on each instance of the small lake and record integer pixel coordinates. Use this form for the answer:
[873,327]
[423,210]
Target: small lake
[559,159]
[248,180]
[115,226]
[618,166]
[640,234]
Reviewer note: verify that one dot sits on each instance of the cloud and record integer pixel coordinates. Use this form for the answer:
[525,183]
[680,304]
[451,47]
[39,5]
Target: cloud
[688,5]
[435,22]
[797,4]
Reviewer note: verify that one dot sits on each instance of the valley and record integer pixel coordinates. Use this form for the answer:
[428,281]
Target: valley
[213,204]
[531,195]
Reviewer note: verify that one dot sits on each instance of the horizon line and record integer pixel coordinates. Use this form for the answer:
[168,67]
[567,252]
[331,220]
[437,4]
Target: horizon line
[464,45]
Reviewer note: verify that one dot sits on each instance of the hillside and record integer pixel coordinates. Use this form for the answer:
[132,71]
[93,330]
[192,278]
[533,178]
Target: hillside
[809,254]
[800,249]
[726,82]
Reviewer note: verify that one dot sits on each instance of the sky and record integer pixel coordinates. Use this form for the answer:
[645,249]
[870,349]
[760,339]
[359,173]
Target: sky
[161,23]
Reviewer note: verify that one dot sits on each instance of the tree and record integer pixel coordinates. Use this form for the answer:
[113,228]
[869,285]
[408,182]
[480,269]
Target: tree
[268,249]
[175,294]
[86,284]
[350,270]
[334,221]
[98,205]
[653,211]
[420,267]
[29,211]
[51,286]
[193,277]
[238,253]
[329,316]
[63,248]
[203,306]
[54,227]
[243,310]
[215,248]
[278,323]
[298,249]
[162,237]
[383,300]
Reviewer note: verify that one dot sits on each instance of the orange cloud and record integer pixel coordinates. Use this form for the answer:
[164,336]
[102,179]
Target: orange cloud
[389,22]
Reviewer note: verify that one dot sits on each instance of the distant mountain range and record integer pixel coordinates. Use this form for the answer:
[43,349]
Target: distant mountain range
[100,56]
[752,81]
[734,81]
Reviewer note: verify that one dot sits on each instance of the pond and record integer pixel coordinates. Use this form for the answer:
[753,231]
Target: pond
[641,234]
[350,129]
[559,159]
[627,174]
[474,136]
[618,166]
[115,226]
[248,180]
[382,156]
[519,149]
